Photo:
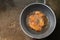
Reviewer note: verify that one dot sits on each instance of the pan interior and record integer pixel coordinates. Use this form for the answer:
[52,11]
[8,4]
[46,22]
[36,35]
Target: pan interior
[32,8]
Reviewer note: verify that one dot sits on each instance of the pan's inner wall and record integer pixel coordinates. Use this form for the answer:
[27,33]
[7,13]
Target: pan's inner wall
[35,7]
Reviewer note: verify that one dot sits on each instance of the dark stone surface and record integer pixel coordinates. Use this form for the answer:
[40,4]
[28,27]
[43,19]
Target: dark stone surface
[9,19]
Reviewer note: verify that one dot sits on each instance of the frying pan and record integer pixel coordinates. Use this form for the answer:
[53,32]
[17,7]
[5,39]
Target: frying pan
[49,14]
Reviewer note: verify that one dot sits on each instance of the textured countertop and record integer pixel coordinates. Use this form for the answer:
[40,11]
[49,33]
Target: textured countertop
[9,18]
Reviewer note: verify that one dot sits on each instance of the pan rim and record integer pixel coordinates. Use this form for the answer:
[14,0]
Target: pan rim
[25,31]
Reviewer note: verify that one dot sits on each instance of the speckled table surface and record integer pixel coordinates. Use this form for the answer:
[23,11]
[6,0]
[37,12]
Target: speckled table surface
[9,18]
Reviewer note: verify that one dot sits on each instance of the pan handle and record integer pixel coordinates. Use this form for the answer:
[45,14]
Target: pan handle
[41,1]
